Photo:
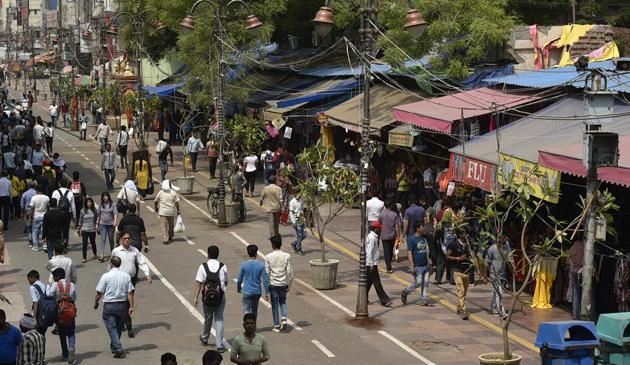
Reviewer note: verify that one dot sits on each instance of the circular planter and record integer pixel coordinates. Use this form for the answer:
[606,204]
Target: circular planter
[324,273]
[185,184]
[496,358]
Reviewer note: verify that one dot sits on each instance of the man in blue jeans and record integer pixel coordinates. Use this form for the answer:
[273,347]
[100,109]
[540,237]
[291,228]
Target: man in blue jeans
[212,267]
[253,273]
[418,255]
[116,290]
[280,271]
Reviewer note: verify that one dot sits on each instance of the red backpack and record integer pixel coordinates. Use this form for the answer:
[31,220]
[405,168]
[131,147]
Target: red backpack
[67,311]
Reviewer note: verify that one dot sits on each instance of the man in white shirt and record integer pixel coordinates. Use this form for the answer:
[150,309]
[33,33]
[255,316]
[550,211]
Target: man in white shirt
[5,198]
[373,208]
[37,288]
[53,109]
[83,124]
[38,133]
[251,171]
[116,290]
[102,134]
[131,259]
[122,140]
[167,205]
[193,147]
[212,267]
[371,261]
[280,271]
[62,261]
[38,207]
[296,216]
[57,289]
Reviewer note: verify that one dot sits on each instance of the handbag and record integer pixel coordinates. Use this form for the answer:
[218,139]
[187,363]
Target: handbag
[150,188]
[122,205]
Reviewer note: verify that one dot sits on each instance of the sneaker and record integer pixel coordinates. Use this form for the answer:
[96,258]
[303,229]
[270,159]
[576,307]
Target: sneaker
[294,247]
[276,330]
[388,304]
[118,355]
[465,315]
[301,253]
[283,325]
[71,357]
[220,350]
[34,248]
[403,297]
[131,334]
[203,343]
[44,248]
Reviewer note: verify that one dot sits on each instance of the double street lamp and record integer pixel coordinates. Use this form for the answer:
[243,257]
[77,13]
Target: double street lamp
[323,24]
[187,25]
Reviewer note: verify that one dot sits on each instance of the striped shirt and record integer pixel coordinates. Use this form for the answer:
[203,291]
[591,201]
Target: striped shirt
[32,350]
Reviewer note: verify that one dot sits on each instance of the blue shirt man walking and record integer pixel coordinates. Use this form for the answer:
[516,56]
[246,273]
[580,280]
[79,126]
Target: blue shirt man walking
[255,279]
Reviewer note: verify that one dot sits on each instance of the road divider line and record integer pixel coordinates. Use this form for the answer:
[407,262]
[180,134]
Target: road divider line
[408,349]
[263,301]
[323,348]
[202,252]
[188,240]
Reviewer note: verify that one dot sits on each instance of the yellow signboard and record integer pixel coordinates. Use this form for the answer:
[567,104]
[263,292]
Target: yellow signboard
[545,182]
[404,140]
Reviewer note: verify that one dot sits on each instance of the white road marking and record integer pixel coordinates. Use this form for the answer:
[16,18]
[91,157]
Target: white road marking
[150,209]
[326,297]
[408,349]
[202,252]
[262,300]
[322,348]
[183,300]
[188,240]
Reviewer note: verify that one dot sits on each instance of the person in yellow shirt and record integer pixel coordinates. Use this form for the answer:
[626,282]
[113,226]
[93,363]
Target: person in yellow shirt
[402,192]
[17,188]
[142,177]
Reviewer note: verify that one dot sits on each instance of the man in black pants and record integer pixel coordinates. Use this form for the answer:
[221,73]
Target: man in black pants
[5,198]
[371,261]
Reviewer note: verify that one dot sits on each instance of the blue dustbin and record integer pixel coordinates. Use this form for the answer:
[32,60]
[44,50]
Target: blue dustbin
[567,343]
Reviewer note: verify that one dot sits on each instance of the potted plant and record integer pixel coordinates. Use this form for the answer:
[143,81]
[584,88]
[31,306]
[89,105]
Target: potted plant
[516,202]
[326,192]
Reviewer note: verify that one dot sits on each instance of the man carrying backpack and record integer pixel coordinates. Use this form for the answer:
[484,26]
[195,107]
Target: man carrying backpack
[212,279]
[52,228]
[77,188]
[65,204]
[64,292]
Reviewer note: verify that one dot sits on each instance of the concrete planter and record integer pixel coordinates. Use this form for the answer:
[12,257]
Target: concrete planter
[324,273]
[496,358]
[185,184]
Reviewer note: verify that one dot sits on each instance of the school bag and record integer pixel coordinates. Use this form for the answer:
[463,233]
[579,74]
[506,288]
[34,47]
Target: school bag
[75,188]
[46,309]
[211,291]
[64,203]
[66,311]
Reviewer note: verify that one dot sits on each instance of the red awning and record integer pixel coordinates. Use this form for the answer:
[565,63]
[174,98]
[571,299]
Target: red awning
[568,159]
[439,114]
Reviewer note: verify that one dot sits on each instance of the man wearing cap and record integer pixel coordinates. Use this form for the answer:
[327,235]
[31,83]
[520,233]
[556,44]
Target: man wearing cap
[10,339]
[371,261]
[167,205]
[33,348]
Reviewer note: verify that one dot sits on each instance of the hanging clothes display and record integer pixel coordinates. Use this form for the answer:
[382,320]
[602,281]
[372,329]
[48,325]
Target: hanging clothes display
[622,284]
[545,273]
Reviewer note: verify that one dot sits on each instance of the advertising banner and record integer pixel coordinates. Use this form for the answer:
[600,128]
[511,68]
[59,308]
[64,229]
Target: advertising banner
[545,182]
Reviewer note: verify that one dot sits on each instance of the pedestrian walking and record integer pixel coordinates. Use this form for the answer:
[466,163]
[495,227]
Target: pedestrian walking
[18,186]
[122,140]
[212,157]
[30,100]
[10,340]
[168,358]
[116,290]
[413,215]
[418,252]
[131,260]
[142,176]
[373,208]
[106,223]
[66,205]
[53,228]
[87,227]
[48,178]
[38,207]
[497,257]
[372,261]
[38,132]
[108,166]
[32,349]
[37,159]
[279,268]
[193,146]
[459,253]
[211,283]
[127,196]
[250,347]
[49,134]
[103,131]
[164,151]
[83,125]
[53,110]
[250,162]
[271,201]
[390,232]
[266,158]
[61,261]
[166,203]
[77,188]
[134,225]
[296,216]
[64,292]
[5,198]
[36,288]
[253,274]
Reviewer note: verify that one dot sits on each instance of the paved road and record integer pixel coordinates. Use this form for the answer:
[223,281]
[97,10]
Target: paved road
[167,320]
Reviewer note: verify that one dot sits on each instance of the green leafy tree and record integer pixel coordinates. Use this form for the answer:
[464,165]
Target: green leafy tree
[462,30]
[326,191]
[516,201]
[247,132]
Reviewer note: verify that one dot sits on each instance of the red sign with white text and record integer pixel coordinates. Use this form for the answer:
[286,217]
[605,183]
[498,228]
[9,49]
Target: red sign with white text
[473,172]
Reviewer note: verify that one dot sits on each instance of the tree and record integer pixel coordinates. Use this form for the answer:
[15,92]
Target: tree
[248,132]
[460,31]
[516,202]
[325,190]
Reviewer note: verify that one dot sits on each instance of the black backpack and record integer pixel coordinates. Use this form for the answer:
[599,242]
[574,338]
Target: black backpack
[64,203]
[47,310]
[211,292]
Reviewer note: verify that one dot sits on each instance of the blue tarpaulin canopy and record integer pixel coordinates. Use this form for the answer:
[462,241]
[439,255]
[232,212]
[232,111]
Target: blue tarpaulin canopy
[380,68]
[282,89]
[320,91]
[165,90]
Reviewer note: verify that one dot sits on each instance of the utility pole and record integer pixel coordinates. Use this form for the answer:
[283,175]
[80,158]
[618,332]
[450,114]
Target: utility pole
[573,10]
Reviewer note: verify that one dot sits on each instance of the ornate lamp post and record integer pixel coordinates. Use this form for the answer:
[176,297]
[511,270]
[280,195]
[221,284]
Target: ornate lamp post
[323,23]
[187,25]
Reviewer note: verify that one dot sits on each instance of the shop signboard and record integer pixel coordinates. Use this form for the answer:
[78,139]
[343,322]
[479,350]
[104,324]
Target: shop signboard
[545,184]
[398,139]
[473,172]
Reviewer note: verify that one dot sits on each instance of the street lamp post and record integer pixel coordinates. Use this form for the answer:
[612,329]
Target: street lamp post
[323,23]
[187,24]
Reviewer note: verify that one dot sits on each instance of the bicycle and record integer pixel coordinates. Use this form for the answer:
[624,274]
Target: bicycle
[212,202]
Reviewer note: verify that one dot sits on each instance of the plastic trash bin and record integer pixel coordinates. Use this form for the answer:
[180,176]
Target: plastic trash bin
[613,330]
[567,343]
